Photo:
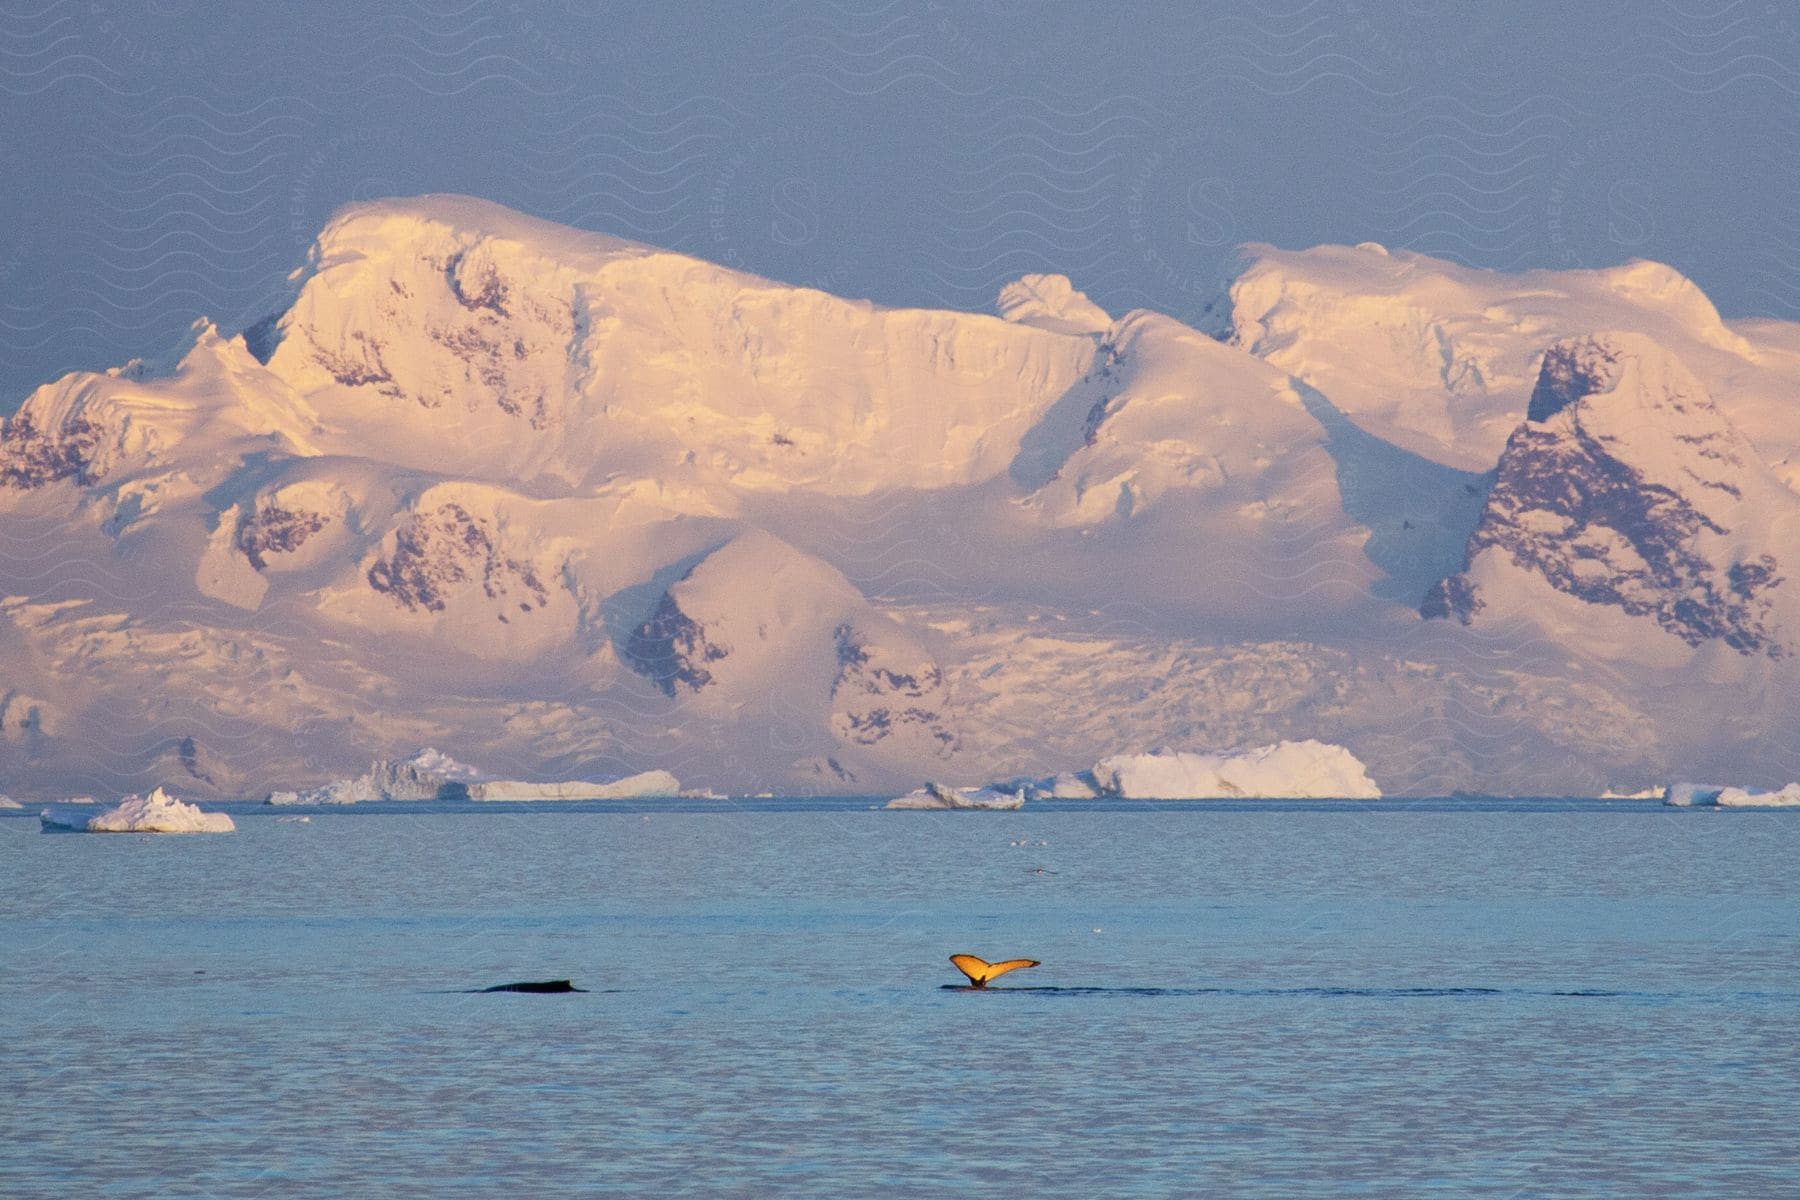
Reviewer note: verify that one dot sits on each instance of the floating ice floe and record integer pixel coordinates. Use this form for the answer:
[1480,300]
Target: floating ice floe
[158,812]
[1306,770]
[936,796]
[1712,795]
[9,802]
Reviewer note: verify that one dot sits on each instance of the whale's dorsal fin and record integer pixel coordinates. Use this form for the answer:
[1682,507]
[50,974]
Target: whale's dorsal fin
[980,971]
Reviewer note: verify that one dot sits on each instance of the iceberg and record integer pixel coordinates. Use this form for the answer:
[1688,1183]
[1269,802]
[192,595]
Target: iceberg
[936,796]
[1649,793]
[1712,795]
[427,775]
[1304,770]
[158,812]
[1069,785]
[9,802]
[645,783]
[433,775]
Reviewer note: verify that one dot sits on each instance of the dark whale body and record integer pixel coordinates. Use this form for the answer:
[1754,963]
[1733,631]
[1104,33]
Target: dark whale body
[541,987]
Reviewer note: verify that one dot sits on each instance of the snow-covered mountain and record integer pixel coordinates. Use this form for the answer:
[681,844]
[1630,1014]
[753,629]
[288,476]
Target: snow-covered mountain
[1627,492]
[576,507]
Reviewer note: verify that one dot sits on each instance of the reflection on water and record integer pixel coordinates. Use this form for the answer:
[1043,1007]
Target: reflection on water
[1570,1001]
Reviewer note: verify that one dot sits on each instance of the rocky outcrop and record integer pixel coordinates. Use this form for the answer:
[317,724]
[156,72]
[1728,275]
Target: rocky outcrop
[670,649]
[435,551]
[881,693]
[274,530]
[1627,488]
[31,457]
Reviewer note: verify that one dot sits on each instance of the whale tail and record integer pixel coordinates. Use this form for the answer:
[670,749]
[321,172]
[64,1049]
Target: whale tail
[980,971]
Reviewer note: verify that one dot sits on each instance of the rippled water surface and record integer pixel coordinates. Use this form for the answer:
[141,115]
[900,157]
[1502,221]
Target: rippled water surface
[1455,1000]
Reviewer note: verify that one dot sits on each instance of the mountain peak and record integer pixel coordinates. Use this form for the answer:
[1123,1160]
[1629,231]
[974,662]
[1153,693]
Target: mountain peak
[1572,370]
[1051,302]
[398,225]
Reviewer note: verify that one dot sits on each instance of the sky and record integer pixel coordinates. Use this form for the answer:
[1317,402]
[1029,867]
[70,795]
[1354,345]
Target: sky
[172,159]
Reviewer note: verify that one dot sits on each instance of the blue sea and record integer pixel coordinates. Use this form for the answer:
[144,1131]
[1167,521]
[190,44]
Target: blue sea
[1401,999]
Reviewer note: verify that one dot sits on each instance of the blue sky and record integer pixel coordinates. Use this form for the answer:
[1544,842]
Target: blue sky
[169,159]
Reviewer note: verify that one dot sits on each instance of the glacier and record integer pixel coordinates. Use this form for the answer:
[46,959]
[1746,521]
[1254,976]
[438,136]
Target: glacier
[158,812]
[582,507]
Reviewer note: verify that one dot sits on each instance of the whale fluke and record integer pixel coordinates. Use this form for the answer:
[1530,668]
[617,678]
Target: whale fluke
[539,987]
[980,971]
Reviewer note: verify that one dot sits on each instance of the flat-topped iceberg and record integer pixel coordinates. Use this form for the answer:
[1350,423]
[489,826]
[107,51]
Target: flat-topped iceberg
[1307,770]
[158,812]
[1713,795]
[934,795]
[645,783]
[433,775]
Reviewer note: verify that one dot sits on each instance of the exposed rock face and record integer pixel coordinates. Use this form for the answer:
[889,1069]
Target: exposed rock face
[31,457]
[1572,370]
[670,649]
[273,530]
[433,552]
[1626,487]
[879,693]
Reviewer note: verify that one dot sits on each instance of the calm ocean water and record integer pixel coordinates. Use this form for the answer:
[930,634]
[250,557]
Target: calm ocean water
[1275,1000]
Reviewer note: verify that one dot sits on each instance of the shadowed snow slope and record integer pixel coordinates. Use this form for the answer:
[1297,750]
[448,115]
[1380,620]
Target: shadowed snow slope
[578,508]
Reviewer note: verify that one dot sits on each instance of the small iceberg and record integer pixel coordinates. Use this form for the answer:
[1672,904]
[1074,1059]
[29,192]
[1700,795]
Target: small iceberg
[158,812]
[1711,795]
[1649,793]
[934,795]
[9,802]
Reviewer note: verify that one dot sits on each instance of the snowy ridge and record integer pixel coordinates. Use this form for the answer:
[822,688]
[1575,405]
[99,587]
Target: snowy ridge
[1439,358]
